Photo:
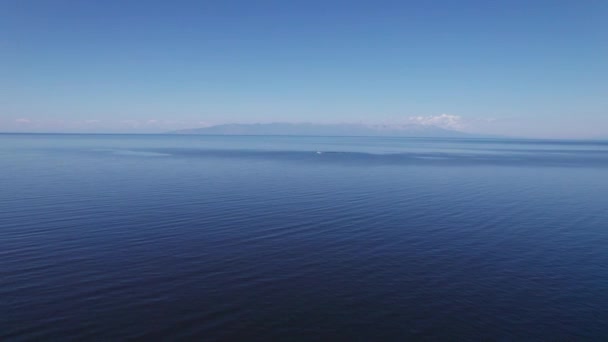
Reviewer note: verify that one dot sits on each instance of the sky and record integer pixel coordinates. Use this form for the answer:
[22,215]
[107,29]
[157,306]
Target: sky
[522,68]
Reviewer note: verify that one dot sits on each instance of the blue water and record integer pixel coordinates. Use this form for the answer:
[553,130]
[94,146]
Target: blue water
[302,238]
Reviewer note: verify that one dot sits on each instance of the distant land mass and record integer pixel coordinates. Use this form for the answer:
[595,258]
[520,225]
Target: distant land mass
[409,130]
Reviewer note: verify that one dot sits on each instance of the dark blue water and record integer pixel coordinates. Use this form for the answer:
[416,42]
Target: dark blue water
[302,238]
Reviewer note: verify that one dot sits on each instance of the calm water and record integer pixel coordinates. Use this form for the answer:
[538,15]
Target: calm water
[311,238]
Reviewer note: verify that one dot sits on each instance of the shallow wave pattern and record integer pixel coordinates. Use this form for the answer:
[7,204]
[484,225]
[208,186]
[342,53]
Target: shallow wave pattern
[258,245]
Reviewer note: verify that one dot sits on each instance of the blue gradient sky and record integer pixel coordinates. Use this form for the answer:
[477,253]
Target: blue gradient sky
[520,68]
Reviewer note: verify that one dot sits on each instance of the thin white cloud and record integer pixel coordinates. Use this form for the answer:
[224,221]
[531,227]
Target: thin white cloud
[23,121]
[444,121]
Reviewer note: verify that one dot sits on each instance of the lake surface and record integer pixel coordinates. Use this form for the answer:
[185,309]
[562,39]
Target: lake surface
[302,238]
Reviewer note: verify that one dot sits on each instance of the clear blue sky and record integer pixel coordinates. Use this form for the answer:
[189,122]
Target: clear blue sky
[522,68]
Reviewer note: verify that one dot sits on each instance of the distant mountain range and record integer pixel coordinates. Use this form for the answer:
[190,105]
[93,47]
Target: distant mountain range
[410,130]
